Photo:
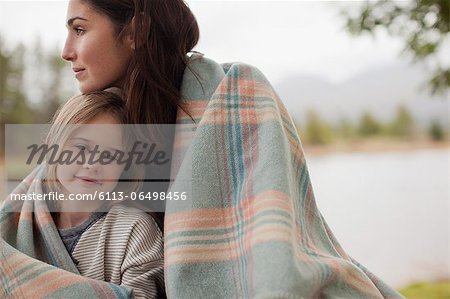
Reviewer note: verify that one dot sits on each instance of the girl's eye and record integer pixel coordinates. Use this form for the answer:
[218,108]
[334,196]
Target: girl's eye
[110,155]
[81,147]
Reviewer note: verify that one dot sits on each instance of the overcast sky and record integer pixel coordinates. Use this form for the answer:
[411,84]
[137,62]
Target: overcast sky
[280,38]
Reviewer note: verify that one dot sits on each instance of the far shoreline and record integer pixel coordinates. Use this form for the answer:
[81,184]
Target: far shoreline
[374,146]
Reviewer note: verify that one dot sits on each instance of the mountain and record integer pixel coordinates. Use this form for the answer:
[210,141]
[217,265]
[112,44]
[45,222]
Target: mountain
[379,91]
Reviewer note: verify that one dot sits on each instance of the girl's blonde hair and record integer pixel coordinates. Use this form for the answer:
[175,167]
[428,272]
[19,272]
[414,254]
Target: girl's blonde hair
[79,110]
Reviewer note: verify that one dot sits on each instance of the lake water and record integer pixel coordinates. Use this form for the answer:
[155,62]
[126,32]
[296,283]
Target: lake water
[390,211]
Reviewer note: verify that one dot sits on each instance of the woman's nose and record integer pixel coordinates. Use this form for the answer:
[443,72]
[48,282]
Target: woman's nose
[68,52]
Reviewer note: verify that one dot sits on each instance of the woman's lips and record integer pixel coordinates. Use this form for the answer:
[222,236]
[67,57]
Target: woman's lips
[78,72]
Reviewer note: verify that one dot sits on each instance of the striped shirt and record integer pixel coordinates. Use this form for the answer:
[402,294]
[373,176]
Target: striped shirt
[125,247]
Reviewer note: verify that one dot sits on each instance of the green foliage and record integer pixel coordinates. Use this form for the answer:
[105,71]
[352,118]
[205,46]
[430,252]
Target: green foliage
[53,88]
[368,125]
[317,131]
[46,86]
[49,79]
[428,290]
[436,131]
[403,123]
[423,24]
[14,107]
[346,129]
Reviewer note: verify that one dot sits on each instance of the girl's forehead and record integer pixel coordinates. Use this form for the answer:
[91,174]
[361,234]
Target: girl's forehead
[103,135]
[104,119]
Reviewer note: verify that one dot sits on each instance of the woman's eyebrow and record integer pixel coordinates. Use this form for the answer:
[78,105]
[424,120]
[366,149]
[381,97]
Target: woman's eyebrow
[70,21]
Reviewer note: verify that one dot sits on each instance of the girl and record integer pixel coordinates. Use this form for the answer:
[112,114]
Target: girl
[117,243]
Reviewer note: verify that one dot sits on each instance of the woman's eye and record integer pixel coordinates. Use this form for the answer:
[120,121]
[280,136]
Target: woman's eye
[78,30]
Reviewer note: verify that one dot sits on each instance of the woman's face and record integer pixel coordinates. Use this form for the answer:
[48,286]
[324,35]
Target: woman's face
[99,60]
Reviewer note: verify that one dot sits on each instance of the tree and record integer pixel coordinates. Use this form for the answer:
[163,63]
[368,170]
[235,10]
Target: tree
[45,70]
[53,90]
[368,125]
[14,107]
[403,123]
[317,131]
[436,131]
[423,24]
[346,129]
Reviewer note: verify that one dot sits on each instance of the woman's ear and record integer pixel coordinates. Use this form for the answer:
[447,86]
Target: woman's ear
[137,31]
[129,41]
[129,36]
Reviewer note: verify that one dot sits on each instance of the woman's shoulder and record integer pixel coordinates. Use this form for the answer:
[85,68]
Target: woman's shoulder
[199,63]
[203,75]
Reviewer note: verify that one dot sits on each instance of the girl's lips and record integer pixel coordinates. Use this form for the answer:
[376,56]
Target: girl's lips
[88,180]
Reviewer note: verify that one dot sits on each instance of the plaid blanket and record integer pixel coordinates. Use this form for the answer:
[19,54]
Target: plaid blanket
[251,228]
[33,260]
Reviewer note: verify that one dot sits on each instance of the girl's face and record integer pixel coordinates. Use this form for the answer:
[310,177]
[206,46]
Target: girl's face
[103,135]
[99,60]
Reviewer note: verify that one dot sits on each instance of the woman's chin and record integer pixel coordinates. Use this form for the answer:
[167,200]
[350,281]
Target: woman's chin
[85,89]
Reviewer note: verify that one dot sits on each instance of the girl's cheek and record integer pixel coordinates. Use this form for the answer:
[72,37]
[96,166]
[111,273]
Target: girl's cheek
[115,172]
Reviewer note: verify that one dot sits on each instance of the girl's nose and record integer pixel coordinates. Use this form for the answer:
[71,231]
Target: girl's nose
[92,166]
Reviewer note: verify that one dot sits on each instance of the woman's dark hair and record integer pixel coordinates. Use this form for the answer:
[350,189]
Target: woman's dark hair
[164,31]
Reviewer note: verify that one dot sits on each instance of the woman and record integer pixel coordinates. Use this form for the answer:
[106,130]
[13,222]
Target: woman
[251,227]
